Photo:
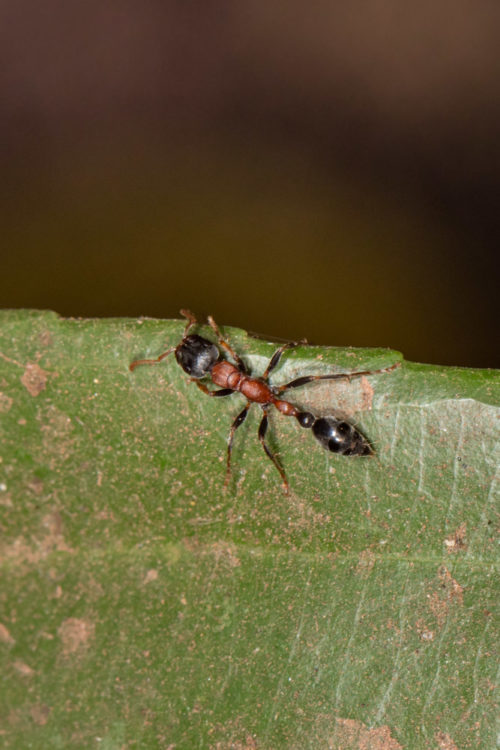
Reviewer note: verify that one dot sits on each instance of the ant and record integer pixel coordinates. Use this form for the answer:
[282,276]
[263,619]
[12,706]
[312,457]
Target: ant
[200,357]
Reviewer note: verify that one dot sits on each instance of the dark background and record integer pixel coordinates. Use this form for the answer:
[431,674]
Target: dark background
[327,171]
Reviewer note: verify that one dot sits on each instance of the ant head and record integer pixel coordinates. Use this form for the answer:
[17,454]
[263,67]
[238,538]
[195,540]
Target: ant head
[196,355]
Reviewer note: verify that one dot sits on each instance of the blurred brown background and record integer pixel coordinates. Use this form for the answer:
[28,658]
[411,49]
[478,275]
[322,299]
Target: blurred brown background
[327,170]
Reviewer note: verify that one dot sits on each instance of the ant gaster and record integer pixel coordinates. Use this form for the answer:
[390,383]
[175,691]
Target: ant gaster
[200,357]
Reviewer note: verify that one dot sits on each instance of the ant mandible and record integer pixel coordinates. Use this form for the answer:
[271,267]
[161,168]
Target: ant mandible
[200,357]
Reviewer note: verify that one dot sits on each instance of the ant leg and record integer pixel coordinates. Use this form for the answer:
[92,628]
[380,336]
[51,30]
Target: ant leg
[225,345]
[336,376]
[274,361]
[220,392]
[262,433]
[138,362]
[237,422]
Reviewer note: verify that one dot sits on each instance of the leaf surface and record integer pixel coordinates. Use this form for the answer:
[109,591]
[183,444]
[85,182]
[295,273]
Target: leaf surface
[141,605]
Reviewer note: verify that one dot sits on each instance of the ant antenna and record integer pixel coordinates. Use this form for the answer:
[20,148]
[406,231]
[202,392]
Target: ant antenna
[191,321]
[138,362]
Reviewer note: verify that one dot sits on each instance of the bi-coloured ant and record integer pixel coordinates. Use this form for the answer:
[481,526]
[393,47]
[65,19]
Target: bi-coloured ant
[200,357]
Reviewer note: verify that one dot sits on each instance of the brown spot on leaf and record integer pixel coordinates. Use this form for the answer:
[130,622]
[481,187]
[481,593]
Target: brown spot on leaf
[365,564]
[454,589]
[354,735]
[151,575]
[40,713]
[23,668]
[233,737]
[5,635]
[45,339]
[226,554]
[248,743]
[5,402]
[34,378]
[367,394]
[444,741]
[6,500]
[448,592]
[36,485]
[20,551]
[57,431]
[75,634]
[456,542]
[14,717]
[425,633]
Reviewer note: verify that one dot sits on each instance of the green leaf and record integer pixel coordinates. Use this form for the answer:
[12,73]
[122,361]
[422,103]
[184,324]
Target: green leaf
[141,605]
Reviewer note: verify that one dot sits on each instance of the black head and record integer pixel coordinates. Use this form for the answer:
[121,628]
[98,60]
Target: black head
[196,355]
[338,436]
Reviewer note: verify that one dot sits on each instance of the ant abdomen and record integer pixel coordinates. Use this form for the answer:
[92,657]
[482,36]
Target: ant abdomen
[339,436]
